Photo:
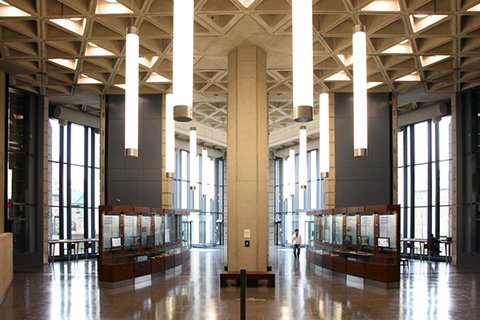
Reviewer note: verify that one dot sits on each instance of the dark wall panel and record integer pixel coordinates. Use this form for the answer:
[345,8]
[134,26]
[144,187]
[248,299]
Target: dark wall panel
[365,180]
[135,181]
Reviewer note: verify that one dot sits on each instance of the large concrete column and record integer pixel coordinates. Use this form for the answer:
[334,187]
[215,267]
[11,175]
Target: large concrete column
[247,160]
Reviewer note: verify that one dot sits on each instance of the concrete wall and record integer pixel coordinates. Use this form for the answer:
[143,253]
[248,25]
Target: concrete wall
[134,181]
[363,180]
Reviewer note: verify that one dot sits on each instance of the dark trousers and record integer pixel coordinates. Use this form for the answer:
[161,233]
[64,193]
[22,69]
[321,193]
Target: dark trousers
[296,250]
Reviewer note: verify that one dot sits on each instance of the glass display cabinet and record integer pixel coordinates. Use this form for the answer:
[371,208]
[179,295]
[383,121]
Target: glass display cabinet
[359,242]
[137,241]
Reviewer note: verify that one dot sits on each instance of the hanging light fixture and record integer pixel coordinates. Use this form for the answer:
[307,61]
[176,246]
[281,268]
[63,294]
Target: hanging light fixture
[131,92]
[302,60]
[291,173]
[193,159]
[324,135]
[205,172]
[183,59]
[302,158]
[169,136]
[360,118]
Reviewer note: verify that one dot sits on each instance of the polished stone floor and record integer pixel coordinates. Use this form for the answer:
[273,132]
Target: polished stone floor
[70,290]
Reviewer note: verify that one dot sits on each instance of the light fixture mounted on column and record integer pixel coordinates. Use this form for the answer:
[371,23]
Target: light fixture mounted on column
[302,158]
[302,60]
[183,59]
[193,159]
[360,118]
[169,137]
[131,92]
[324,135]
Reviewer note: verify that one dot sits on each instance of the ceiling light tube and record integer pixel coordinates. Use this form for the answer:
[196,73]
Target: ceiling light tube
[291,173]
[183,59]
[302,60]
[302,158]
[169,136]
[131,93]
[360,118]
[324,135]
[205,172]
[193,159]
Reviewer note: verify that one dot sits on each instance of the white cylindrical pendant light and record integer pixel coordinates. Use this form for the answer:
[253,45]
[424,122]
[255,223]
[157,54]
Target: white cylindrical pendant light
[302,158]
[131,92]
[205,172]
[324,135]
[169,136]
[291,173]
[193,159]
[302,60]
[360,118]
[183,59]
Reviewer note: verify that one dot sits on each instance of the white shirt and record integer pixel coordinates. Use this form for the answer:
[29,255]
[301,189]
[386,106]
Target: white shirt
[296,239]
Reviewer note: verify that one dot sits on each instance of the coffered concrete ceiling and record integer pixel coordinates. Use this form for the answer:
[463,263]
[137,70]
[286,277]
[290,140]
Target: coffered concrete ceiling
[74,64]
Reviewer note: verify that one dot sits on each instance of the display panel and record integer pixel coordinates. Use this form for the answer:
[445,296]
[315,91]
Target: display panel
[351,230]
[367,225]
[387,227]
[131,230]
[111,228]
[383,242]
[338,229]
[328,228]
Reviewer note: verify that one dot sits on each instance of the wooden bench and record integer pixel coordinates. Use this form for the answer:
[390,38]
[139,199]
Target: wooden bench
[251,275]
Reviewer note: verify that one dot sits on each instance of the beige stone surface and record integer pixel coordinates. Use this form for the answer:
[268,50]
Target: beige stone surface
[247,160]
[6,263]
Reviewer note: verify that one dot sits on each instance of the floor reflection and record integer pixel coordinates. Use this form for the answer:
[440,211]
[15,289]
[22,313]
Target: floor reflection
[69,290]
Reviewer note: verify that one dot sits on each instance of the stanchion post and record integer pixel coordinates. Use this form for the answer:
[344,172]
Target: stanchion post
[243,294]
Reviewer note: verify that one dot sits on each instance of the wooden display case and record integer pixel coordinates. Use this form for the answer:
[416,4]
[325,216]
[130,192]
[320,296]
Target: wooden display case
[361,242]
[138,241]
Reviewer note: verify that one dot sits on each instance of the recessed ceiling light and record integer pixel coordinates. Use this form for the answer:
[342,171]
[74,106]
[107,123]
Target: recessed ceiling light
[84,79]
[148,61]
[7,10]
[155,77]
[94,50]
[67,63]
[111,7]
[420,22]
[347,60]
[402,47]
[339,76]
[475,8]
[410,77]
[76,26]
[246,3]
[382,6]
[428,60]
[373,84]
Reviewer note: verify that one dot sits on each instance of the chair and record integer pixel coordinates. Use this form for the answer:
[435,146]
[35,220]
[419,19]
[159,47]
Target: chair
[72,246]
[86,246]
[411,246]
[428,248]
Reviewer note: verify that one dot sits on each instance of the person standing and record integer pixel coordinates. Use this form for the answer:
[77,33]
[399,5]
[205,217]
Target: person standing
[297,242]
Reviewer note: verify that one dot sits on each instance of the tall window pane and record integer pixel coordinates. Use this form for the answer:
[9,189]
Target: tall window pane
[78,144]
[421,142]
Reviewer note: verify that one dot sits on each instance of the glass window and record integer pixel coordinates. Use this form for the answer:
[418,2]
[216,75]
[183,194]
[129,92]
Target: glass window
[421,181]
[421,185]
[445,138]
[78,144]
[400,147]
[421,142]
[71,183]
